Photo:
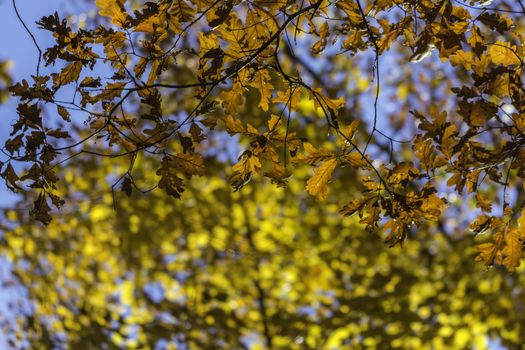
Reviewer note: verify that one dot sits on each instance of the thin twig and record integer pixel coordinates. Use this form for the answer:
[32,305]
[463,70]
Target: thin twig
[32,38]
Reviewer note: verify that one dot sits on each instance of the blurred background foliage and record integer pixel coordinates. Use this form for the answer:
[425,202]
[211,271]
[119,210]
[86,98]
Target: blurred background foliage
[261,267]
[5,79]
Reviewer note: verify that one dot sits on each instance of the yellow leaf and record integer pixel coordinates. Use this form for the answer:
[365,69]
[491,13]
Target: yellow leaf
[154,72]
[262,83]
[112,90]
[248,164]
[278,174]
[475,38]
[504,53]
[487,252]
[521,225]
[472,180]
[350,130]
[491,252]
[483,202]
[244,169]
[69,74]
[191,164]
[273,122]
[309,148]
[251,130]
[316,186]
[512,251]
[499,86]
[233,99]
[356,160]
[291,98]
[153,24]
[257,30]
[449,140]
[481,64]
[208,42]
[149,25]
[313,155]
[233,126]
[462,58]
[180,12]
[113,9]
[323,102]
[323,33]
[432,207]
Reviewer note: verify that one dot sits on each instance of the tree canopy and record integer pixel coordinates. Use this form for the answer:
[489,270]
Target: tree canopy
[222,174]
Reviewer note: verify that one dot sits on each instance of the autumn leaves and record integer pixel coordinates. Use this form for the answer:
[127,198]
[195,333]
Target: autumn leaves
[183,71]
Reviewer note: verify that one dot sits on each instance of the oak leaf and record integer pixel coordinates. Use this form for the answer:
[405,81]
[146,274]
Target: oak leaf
[317,184]
[504,53]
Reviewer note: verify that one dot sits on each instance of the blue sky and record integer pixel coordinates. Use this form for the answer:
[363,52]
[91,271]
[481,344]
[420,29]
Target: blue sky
[17,46]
